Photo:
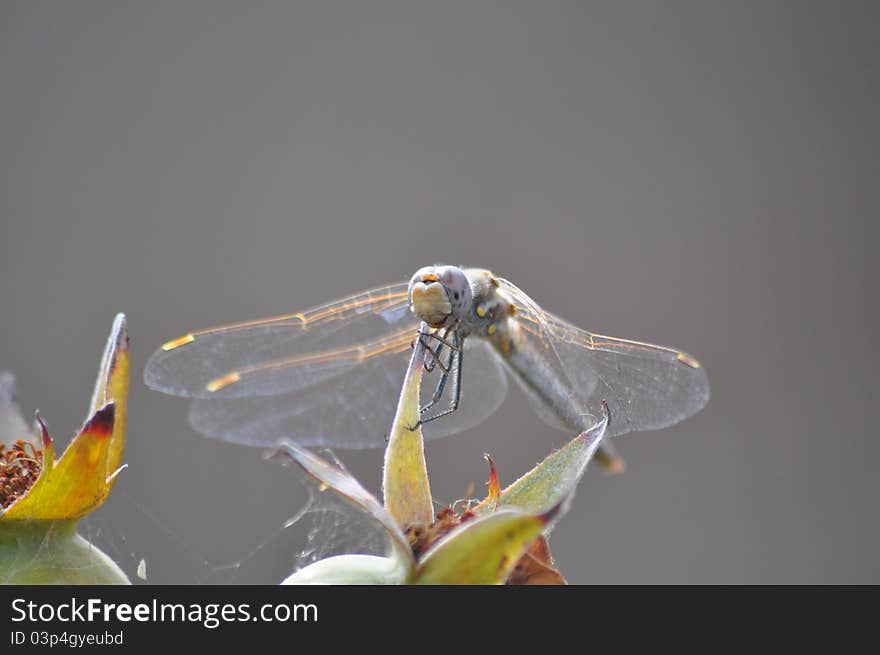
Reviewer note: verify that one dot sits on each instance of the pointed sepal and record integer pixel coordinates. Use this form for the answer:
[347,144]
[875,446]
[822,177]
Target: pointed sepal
[405,475]
[554,478]
[111,385]
[77,483]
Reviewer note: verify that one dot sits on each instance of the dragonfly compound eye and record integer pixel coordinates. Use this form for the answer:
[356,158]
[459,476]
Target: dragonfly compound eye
[458,288]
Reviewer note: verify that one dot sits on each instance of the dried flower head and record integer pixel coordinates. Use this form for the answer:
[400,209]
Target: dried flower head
[42,498]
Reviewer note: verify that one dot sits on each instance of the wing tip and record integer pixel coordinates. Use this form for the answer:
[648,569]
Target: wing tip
[688,360]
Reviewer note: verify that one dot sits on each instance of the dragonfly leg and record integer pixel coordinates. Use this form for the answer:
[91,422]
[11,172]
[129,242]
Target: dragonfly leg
[420,337]
[435,359]
[441,383]
[454,345]
[435,353]
[455,354]
[431,362]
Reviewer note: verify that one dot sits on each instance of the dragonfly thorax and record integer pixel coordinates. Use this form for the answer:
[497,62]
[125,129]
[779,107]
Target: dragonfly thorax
[491,311]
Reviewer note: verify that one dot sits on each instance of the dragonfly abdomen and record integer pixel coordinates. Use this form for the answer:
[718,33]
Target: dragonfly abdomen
[551,397]
[537,377]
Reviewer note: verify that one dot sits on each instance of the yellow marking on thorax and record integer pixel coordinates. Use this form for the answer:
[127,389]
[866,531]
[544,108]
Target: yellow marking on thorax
[223,382]
[506,336]
[684,358]
[177,343]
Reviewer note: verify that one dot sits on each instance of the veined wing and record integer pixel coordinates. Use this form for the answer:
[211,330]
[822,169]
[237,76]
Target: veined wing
[354,410]
[286,353]
[646,386]
[327,376]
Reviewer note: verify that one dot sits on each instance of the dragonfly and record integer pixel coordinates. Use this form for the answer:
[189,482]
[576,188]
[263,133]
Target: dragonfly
[331,375]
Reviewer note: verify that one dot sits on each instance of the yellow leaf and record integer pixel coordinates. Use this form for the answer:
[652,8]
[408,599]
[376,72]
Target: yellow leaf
[405,475]
[77,483]
[112,386]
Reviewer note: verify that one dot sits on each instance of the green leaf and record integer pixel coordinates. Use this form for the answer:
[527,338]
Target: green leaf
[555,478]
[483,550]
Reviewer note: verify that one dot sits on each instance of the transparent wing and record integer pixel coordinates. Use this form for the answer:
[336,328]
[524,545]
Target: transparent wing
[326,376]
[646,386]
[284,353]
[354,410]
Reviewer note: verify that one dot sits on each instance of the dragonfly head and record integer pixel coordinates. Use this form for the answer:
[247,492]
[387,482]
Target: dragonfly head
[440,295]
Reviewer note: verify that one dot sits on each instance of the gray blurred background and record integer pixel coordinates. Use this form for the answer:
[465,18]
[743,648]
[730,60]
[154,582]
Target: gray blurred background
[694,174]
